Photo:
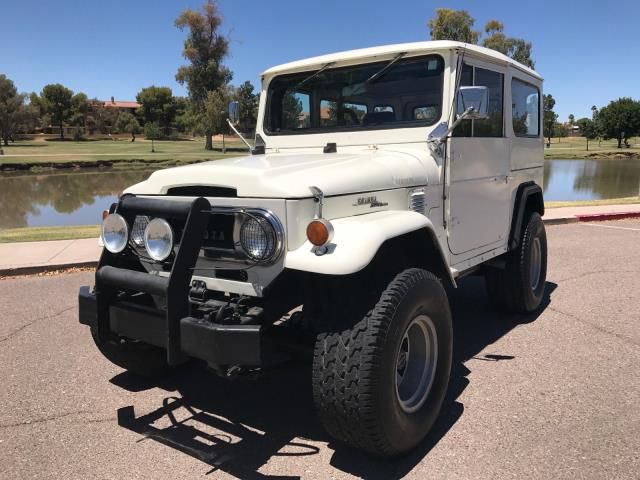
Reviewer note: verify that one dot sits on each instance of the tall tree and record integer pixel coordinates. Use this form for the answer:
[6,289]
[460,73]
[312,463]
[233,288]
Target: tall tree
[152,132]
[158,105]
[57,101]
[620,120]
[550,117]
[587,129]
[79,109]
[128,123]
[248,106]
[216,111]
[450,24]
[11,104]
[205,48]
[572,119]
[516,48]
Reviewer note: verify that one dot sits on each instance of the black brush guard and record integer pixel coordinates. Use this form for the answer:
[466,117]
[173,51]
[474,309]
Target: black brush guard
[178,332]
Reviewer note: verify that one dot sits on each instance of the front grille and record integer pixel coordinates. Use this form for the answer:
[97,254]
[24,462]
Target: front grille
[202,191]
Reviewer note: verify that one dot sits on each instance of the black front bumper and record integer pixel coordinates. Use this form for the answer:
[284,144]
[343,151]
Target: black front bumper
[214,343]
[111,314]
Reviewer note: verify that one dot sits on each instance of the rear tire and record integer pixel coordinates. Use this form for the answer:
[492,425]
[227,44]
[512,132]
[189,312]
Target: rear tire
[138,358]
[519,287]
[367,392]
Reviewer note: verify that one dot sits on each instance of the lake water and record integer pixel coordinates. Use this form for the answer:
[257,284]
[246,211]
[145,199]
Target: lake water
[78,197]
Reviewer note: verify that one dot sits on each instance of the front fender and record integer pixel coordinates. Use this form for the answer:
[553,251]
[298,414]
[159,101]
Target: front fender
[356,241]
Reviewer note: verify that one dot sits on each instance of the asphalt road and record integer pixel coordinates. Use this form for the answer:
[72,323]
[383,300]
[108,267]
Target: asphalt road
[555,395]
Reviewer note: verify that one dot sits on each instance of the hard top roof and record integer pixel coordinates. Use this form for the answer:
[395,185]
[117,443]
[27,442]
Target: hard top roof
[389,50]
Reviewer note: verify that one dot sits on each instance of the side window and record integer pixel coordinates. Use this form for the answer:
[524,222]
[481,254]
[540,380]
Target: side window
[348,114]
[296,113]
[494,125]
[428,113]
[353,113]
[383,108]
[525,106]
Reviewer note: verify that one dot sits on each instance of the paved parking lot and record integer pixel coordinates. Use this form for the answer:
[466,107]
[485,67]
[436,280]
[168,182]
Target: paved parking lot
[554,395]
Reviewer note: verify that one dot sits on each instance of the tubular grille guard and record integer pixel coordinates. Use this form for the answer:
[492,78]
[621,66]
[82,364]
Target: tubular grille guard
[110,278]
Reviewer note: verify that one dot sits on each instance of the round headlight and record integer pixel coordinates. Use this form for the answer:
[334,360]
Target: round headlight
[137,231]
[258,238]
[158,239]
[114,233]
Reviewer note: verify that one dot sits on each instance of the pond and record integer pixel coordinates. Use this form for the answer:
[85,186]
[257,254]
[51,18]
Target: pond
[61,198]
[78,197]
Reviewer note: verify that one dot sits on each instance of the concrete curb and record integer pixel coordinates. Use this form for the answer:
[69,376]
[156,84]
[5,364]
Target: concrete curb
[33,269]
[591,217]
[560,221]
[601,217]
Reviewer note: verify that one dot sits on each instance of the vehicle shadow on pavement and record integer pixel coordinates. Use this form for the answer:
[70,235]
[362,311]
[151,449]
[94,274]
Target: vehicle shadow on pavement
[238,425]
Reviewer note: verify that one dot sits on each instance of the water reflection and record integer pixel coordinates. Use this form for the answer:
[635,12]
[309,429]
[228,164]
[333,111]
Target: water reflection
[78,197]
[591,179]
[70,198]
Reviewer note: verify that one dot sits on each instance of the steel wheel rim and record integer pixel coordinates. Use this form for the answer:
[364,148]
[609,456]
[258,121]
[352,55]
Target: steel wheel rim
[536,263]
[416,362]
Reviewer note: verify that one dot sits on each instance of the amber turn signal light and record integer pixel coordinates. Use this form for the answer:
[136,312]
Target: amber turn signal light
[319,232]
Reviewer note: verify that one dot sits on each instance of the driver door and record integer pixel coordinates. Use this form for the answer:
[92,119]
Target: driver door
[479,155]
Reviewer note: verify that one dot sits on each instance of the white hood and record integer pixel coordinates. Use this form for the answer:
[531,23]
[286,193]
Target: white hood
[278,175]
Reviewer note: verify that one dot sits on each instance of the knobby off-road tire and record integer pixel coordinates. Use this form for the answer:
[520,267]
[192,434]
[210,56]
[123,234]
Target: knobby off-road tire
[138,358]
[355,370]
[519,287]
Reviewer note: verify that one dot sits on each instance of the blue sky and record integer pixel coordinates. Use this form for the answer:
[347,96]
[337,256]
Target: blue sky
[586,50]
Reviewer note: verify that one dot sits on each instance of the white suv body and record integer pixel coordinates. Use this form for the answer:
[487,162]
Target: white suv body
[379,177]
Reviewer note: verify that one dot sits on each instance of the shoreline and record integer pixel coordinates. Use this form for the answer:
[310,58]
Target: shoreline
[37,166]
[36,234]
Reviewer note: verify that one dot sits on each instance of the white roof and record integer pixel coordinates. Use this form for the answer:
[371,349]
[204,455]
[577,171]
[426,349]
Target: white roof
[390,50]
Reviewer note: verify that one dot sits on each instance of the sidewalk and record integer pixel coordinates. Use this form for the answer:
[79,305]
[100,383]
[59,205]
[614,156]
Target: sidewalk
[31,257]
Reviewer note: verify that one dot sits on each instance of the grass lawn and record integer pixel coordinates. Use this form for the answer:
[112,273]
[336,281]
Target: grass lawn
[576,148]
[39,234]
[39,151]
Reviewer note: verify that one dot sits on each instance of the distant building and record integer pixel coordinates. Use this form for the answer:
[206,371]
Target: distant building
[120,105]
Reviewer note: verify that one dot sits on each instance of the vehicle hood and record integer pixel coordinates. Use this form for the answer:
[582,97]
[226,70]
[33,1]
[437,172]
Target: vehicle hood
[280,175]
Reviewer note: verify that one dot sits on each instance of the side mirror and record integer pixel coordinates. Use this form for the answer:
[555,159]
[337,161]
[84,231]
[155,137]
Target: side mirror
[234,112]
[473,102]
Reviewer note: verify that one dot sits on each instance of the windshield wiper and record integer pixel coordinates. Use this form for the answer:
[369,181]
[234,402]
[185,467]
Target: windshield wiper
[313,75]
[384,69]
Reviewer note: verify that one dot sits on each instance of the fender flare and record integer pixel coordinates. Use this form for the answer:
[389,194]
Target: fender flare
[358,239]
[525,192]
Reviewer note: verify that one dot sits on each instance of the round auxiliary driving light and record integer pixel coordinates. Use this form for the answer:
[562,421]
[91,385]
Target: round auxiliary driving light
[258,238]
[114,233]
[158,239]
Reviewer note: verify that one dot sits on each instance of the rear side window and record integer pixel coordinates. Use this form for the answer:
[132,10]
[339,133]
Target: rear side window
[494,125]
[525,109]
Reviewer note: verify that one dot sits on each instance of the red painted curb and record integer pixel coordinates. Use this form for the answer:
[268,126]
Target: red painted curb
[600,217]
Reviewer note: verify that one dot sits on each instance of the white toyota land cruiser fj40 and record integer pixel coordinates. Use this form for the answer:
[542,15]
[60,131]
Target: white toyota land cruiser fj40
[378,178]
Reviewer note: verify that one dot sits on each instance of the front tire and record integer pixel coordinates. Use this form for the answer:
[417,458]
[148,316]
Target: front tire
[519,287]
[379,384]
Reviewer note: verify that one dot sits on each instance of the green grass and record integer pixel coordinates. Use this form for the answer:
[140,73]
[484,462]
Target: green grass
[40,234]
[39,151]
[576,148]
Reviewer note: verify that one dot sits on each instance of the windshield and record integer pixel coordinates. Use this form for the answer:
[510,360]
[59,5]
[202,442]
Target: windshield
[405,93]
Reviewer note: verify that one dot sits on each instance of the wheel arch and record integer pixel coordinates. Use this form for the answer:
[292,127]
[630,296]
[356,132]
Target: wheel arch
[390,240]
[528,199]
